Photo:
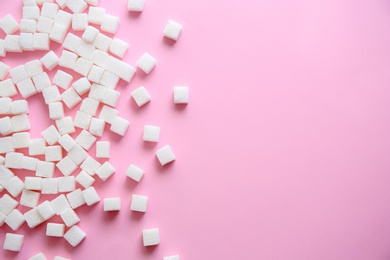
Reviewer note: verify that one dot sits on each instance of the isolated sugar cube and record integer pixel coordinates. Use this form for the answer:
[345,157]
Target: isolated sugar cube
[151,133]
[141,96]
[135,5]
[90,196]
[55,230]
[9,24]
[165,155]
[14,219]
[172,30]
[135,173]
[74,236]
[103,149]
[84,179]
[66,166]
[146,63]
[112,204]
[29,198]
[180,95]
[13,242]
[70,217]
[172,257]
[139,203]
[151,237]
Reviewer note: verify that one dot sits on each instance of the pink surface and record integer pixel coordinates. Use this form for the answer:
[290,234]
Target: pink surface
[282,153]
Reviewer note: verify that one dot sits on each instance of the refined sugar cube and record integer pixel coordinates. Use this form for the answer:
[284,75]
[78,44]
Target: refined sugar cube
[97,92]
[63,18]
[82,85]
[82,120]
[44,25]
[72,42]
[172,30]
[85,50]
[12,43]
[41,81]
[56,110]
[53,153]
[51,94]
[90,165]
[95,74]
[96,15]
[105,171]
[84,179]
[79,21]
[7,204]
[33,183]
[151,133]
[89,106]
[92,2]
[110,24]
[39,256]
[19,107]
[14,219]
[102,42]
[14,186]
[120,68]
[90,196]
[75,199]
[7,88]
[82,66]
[67,142]
[31,12]
[30,163]
[108,114]
[112,204]
[66,166]
[180,95]
[58,33]
[51,135]
[45,169]
[60,204]
[76,6]
[18,74]
[49,186]
[26,88]
[135,5]
[13,242]
[90,33]
[2,48]
[45,210]
[69,217]
[26,41]
[66,184]
[30,198]
[28,26]
[41,41]
[151,237]
[37,147]
[6,145]
[97,126]
[55,230]
[111,97]
[141,96]
[135,173]
[172,257]
[33,218]
[99,57]
[50,60]
[70,97]
[68,59]
[21,140]
[120,126]
[103,149]
[62,79]
[109,80]
[146,63]
[4,68]
[6,127]
[118,47]
[49,10]
[9,24]
[139,203]
[165,155]
[65,125]
[77,154]
[13,160]
[33,68]
[74,236]
[5,105]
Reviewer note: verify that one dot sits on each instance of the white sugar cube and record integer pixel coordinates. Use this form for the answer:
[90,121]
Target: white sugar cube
[66,166]
[75,199]
[33,68]
[102,42]
[7,204]
[99,57]
[45,169]
[4,68]
[33,183]
[109,80]
[118,47]
[72,42]
[53,153]
[51,94]
[44,25]
[172,30]
[62,79]
[92,2]
[61,3]
[55,230]
[110,24]
[90,165]
[82,66]
[19,107]
[111,97]
[120,68]
[12,43]
[18,74]
[69,217]
[49,186]
[41,41]
[90,196]
[26,88]
[29,198]
[141,96]
[77,154]
[14,186]
[49,10]
[120,126]
[30,163]
[90,33]
[45,210]
[146,63]
[74,236]
[58,33]
[85,50]
[27,41]
[76,6]
[6,127]
[6,145]
[65,125]
[84,179]
[41,81]
[82,120]
[85,139]
[97,126]
[103,149]
[70,97]
[21,140]
[68,59]
[165,155]
[14,219]
[33,218]
[50,60]
[63,18]
[105,171]
[60,258]
[67,142]
[5,105]
[79,21]
[151,133]
[28,26]
[56,110]
[37,146]
[135,5]
[41,2]
[151,237]
[135,173]
[66,184]
[31,12]
[97,92]
[95,74]
[9,24]
[108,114]
[60,204]
[112,204]
[51,135]
[180,95]
[172,257]
[13,242]
[96,15]
[14,160]
[7,88]
[82,85]
[39,256]
[139,203]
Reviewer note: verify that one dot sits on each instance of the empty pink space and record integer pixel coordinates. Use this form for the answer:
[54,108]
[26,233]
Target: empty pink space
[282,152]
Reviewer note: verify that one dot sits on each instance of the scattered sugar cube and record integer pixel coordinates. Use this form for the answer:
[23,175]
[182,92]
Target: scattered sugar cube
[14,186]
[82,66]
[58,33]
[118,47]
[85,139]
[135,5]
[7,204]
[37,147]
[110,24]
[103,149]
[172,30]
[7,88]
[51,135]
[123,70]
[79,21]
[96,15]
[14,219]
[33,218]
[102,42]
[90,196]
[108,114]
[76,6]
[75,199]
[4,68]
[82,85]
[50,60]
[60,204]
[26,88]
[6,145]
[135,173]
[146,63]
[112,204]
[74,236]
[41,41]
[68,59]
[120,126]
[84,179]
[49,10]
[66,166]
[151,133]
[105,171]
[49,186]
[53,153]
[5,105]
[56,110]
[14,160]
[165,155]
[39,256]
[65,125]
[9,24]
[90,165]
[109,80]
[12,43]
[97,92]
[31,12]
[30,163]
[33,68]
[33,183]
[139,203]
[26,41]
[62,79]
[44,25]
[172,257]
[70,97]
[41,81]
[55,230]
[67,142]
[45,169]
[66,184]
[5,126]
[19,107]
[141,96]
[30,198]
[51,94]
[90,33]
[63,18]
[21,140]
[97,126]
[18,74]
[99,57]
[13,242]
[69,217]
[45,210]
[72,42]
[85,50]
[82,120]
[95,74]
[77,154]
[151,237]
[180,95]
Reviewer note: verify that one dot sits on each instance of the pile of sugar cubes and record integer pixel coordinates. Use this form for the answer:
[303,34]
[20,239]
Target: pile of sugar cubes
[97,58]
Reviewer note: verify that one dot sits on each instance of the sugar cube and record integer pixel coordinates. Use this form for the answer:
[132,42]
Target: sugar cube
[135,5]
[103,149]
[13,242]
[66,166]
[51,94]
[89,106]
[49,10]
[9,24]
[105,171]
[74,236]
[26,41]
[82,66]
[108,114]
[19,107]
[33,183]
[84,179]
[6,145]
[12,43]
[82,85]
[135,173]
[75,198]
[90,165]
[31,12]
[151,133]
[102,42]
[50,60]
[65,125]
[28,26]
[79,21]
[70,217]
[7,88]
[68,59]
[95,74]
[30,198]
[77,154]
[53,153]
[139,203]
[14,219]
[66,184]
[165,155]
[33,218]
[118,47]
[45,210]
[37,147]
[112,204]
[63,18]
[30,163]
[14,160]
[180,95]
[141,96]
[151,237]
[39,256]
[7,204]
[110,24]
[44,24]
[51,135]
[90,196]
[41,41]
[60,204]
[62,79]
[18,74]
[41,81]
[14,186]
[6,127]
[82,120]
[55,230]
[45,169]
[58,33]
[90,33]
[67,142]
[26,88]
[76,6]
[33,68]
[96,15]
[109,80]
[4,68]
[56,110]
[146,63]
[70,97]
[85,139]
[72,42]
[172,30]
[49,186]
[120,126]
[21,140]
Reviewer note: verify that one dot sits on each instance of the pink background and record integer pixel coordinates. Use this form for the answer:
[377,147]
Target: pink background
[282,153]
